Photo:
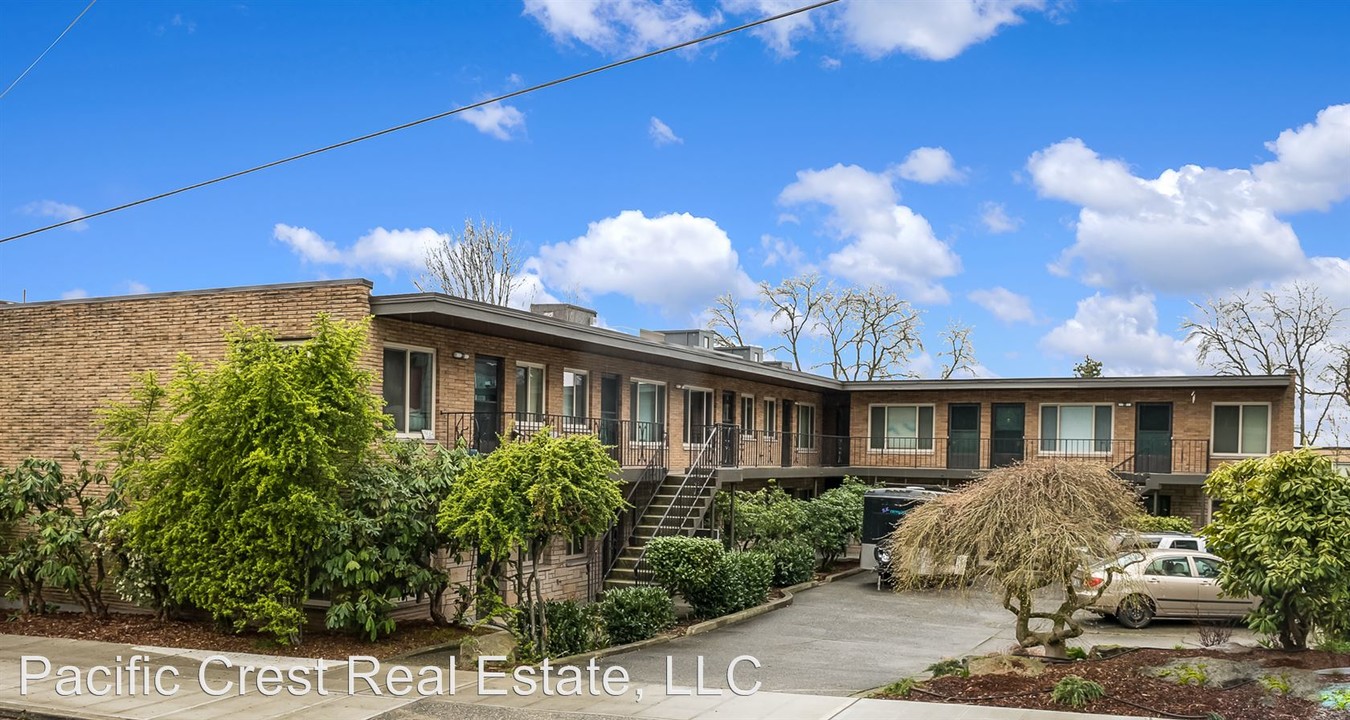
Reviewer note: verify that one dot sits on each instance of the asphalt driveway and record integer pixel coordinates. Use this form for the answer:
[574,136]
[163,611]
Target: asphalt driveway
[837,639]
[847,637]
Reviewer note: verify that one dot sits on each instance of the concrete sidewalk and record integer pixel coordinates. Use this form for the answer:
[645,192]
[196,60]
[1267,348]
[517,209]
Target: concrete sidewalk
[199,673]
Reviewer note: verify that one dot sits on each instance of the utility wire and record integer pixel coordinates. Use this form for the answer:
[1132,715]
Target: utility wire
[49,49]
[438,116]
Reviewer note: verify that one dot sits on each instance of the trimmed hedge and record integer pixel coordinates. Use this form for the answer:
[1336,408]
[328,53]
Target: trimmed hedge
[683,564]
[793,561]
[573,628]
[713,581]
[636,613]
[1157,523]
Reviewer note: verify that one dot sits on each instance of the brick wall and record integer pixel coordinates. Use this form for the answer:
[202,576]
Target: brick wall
[59,361]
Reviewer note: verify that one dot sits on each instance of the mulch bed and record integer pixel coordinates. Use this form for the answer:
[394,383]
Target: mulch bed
[1126,678]
[202,635]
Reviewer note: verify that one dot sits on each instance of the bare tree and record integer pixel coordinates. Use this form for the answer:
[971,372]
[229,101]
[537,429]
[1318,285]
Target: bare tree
[1271,333]
[480,264]
[796,305]
[959,349]
[725,320]
[1027,528]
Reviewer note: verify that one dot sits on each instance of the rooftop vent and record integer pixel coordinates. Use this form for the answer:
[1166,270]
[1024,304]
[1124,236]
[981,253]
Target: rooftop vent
[753,353]
[780,364]
[566,312]
[688,338]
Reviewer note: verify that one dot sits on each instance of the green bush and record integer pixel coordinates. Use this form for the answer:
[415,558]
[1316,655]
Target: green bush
[683,565]
[793,561]
[572,627]
[636,613]
[765,515]
[834,520]
[741,580]
[1159,523]
[1076,692]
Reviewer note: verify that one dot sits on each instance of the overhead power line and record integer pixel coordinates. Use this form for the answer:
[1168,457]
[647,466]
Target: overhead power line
[430,118]
[49,49]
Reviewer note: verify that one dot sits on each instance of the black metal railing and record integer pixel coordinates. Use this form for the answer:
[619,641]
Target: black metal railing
[692,498]
[638,496]
[633,444]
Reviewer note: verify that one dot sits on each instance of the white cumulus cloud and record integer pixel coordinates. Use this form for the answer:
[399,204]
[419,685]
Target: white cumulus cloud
[997,220]
[887,242]
[1122,332]
[499,120]
[930,165]
[621,26]
[662,134]
[938,30]
[1005,304]
[383,250]
[677,262]
[1194,228]
[58,211]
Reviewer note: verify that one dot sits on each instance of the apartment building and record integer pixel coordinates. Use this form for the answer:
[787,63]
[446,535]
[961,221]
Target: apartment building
[683,418]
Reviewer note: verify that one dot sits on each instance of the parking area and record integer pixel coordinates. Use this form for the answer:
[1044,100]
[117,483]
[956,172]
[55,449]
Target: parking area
[847,637]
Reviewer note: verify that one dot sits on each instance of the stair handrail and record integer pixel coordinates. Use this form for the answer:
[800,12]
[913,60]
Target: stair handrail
[703,479]
[621,523]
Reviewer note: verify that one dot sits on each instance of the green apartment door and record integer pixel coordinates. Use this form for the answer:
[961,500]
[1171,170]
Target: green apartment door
[1153,438]
[1008,443]
[963,436]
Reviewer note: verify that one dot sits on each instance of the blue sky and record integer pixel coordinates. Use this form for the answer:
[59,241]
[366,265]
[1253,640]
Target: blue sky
[1101,164]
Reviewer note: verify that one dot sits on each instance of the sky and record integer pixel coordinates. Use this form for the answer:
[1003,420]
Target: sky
[1065,178]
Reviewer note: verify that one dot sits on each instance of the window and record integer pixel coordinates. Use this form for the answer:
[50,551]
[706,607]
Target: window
[806,427]
[574,394]
[747,415]
[901,427]
[1170,566]
[647,411]
[1205,567]
[529,393]
[408,381]
[576,545]
[770,417]
[1076,428]
[1241,429]
[698,415]
[1185,544]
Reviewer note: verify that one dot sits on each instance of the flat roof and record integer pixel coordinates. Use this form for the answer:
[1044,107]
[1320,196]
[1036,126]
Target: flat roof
[1075,383]
[179,293]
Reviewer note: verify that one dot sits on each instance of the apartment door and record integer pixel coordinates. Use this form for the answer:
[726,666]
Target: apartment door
[487,406]
[1153,438]
[789,442]
[963,436]
[609,412]
[1010,433]
[729,442]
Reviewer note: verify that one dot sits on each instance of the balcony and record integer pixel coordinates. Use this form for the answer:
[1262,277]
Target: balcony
[643,444]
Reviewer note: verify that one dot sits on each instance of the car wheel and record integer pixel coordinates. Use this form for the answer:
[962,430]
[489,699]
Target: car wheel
[1135,611]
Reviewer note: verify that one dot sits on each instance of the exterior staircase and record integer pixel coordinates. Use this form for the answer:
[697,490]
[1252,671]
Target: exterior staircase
[679,507]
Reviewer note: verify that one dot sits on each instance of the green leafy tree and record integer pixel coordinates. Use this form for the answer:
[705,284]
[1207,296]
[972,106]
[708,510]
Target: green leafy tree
[512,503]
[237,509]
[385,544]
[1283,526]
[765,515]
[1088,368]
[834,520]
[61,519]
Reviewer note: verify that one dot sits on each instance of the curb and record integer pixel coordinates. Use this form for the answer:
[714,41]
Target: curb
[709,625]
[441,647]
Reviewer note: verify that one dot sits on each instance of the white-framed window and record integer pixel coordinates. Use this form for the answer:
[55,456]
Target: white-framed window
[409,388]
[575,388]
[647,411]
[747,416]
[770,418]
[698,414]
[900,427]
[1076,429]
[530,393]
[806,427]
[1241,429]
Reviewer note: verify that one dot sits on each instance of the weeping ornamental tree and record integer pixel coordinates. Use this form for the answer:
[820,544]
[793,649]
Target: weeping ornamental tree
[1027,529]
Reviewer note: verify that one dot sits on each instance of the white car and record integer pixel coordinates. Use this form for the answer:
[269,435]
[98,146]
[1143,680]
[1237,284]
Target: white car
[1161,541]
